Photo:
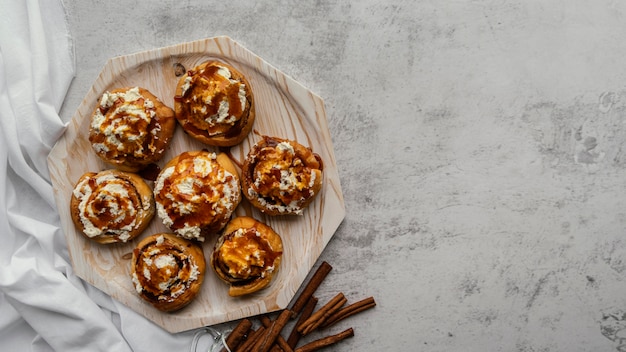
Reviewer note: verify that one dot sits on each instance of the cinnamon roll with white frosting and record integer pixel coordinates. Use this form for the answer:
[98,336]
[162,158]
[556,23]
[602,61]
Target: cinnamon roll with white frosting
[196,193]
[111,206]
[281,177]
[167,271]
[214,104]
[131,128]
[247,255]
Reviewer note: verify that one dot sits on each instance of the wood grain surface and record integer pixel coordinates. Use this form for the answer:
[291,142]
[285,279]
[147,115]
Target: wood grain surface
[284,109]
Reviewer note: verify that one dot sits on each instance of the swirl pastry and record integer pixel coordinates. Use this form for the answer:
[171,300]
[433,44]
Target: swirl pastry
[281,176]
[214,104]
[111,206]
[131,128]
[247,255]
[196,193]
[167,271]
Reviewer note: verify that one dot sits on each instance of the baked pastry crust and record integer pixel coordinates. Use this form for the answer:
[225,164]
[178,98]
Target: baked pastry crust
[167,271]
[131,128]
[111,206]
[281,177]
[214,104]
[196,193]
[247,255]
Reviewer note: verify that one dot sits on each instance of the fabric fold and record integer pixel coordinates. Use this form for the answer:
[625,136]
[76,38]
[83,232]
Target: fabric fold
[44,306]
[41,301]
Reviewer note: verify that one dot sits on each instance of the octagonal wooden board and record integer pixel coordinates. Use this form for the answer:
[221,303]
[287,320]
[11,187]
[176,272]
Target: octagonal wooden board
[284,109]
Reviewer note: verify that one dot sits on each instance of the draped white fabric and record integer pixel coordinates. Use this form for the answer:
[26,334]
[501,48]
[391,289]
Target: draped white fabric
[43,305]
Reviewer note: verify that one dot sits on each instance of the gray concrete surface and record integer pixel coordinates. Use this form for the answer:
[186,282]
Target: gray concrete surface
[481,147]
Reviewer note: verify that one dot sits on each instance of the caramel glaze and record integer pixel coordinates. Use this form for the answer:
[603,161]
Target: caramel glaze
[210,217]
[168,286]
[131,150]
[101,206]
[240,243]
[132,154]
[263,151]
[150,290]
[195,122]
[197,217]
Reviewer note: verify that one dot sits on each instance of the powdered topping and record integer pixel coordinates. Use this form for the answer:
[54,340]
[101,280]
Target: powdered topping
[196,194]
[279,178]
[286,147]
[214,100]
[124,124]
[186,85]
[109,206]
[245,254]
[165,270]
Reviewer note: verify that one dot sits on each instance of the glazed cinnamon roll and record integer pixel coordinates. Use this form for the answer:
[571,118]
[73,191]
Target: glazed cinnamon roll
[167,271]
[111,206]
[196,193]
[281,177]
[131,128]
[247,255]
[214,104]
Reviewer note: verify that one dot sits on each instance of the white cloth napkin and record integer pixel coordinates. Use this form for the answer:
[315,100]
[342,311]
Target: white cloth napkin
[43,305]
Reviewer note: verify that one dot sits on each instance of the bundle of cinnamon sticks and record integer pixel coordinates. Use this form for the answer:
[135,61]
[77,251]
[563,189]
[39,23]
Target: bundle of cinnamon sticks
[267,336]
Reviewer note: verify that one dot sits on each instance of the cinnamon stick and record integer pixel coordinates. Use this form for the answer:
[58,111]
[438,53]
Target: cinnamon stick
[279,339]
[350,310]
[237,335]
[310,288]
[266,341]
[252,339]
[319,317]
[326,341]
[294,336]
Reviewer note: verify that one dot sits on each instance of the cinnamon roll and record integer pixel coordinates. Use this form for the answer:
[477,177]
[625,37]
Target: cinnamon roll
[281,177]
[131,128]
[247,255]
[196,193]
[167,271]
[111,206]
[214,104]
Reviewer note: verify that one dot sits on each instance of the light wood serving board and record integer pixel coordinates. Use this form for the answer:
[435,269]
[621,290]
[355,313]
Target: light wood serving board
[284,108]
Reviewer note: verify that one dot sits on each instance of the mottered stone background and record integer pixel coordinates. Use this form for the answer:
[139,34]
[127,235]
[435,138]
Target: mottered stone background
[481,147]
